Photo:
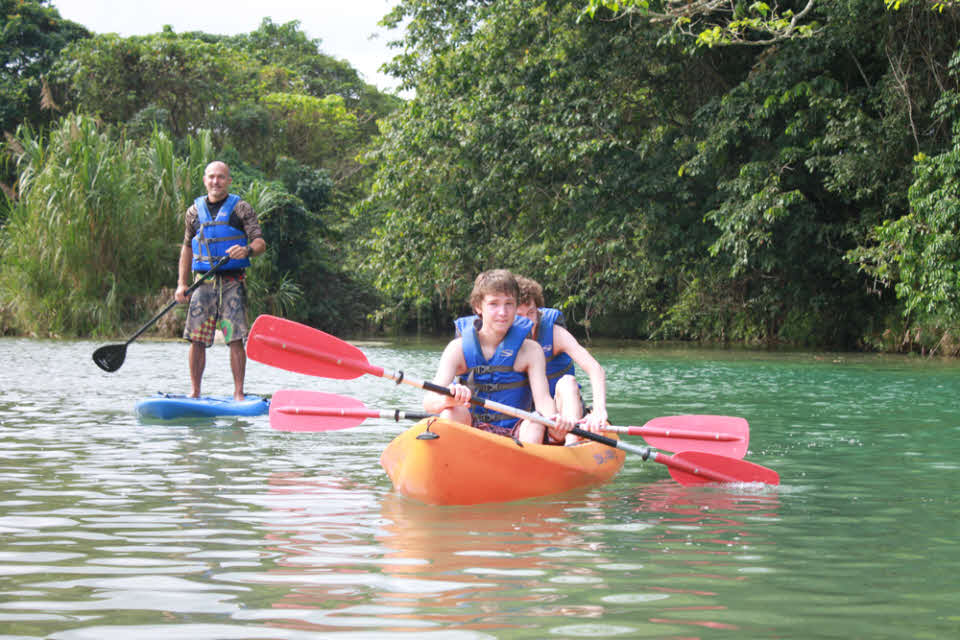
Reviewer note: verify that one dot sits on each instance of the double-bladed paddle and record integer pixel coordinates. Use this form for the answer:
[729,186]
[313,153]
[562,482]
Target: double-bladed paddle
[292,410]
[720,435]
[296,347]
[110,357]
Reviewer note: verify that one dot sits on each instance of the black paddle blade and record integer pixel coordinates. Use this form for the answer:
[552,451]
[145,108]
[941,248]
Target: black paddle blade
[110,357]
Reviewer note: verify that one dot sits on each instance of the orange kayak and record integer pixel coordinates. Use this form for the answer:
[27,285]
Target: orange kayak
[457,464]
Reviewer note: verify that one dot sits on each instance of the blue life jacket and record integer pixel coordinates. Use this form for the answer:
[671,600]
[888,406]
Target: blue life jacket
[495,379]
[560,364]
[215,236]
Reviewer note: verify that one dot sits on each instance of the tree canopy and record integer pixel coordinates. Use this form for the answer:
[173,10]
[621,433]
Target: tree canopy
[32,34]
[737,172]
[646,166]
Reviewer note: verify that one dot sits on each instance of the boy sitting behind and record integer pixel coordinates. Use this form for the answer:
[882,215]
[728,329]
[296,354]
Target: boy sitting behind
[561,350]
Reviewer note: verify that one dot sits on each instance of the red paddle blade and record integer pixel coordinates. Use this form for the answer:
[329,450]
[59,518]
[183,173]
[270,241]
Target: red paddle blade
[720,435]
[292,410]
[296,347]
[697,467]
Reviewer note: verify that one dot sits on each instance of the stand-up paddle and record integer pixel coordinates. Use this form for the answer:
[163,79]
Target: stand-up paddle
[110,357]
[296,347]
[292,410]
[317,411]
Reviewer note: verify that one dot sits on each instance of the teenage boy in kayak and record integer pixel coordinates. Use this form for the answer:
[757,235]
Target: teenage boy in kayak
[561,351]
[220,224]
[505,367]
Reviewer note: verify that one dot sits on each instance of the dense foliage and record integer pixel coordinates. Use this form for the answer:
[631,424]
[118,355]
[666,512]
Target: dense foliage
[656,186]
[715,171]
[32,35]
[71,265]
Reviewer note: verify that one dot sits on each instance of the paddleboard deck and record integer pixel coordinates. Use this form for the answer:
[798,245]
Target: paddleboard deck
[167,406]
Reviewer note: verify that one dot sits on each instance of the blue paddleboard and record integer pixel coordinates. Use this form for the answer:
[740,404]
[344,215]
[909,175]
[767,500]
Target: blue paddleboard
[165,406]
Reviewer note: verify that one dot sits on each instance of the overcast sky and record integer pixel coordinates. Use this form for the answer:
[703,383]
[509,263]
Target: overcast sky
[347,29]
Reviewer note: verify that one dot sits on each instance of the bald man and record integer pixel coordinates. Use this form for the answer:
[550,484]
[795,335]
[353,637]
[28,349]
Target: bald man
[218,225]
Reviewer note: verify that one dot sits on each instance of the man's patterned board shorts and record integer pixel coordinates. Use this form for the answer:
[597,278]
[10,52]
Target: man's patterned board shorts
[220,304]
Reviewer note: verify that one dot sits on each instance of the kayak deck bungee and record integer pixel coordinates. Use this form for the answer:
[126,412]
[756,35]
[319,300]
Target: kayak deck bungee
[167,406]
[442,462]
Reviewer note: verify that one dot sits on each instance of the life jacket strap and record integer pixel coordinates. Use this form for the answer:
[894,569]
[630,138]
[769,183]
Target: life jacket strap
[567,369]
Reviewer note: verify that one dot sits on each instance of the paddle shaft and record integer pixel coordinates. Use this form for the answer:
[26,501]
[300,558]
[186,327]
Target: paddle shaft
[719,435]
[688,434]
[362,367]
[396,415]
[219,263]
[645,453]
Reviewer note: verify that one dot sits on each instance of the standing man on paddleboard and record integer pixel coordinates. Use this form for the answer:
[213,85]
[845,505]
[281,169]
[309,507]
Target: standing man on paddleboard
[503,364]
[218,225]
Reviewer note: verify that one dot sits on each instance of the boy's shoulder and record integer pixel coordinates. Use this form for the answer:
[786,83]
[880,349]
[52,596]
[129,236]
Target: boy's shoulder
[562,336]
[530,351]
[453,344]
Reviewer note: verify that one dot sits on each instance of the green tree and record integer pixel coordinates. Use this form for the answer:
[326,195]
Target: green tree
[547,144]
[32,33]
[314,130]
[917,254]
[286,46]
[268,94]
[817,145]
[719,22]
[187,78]
[674,190]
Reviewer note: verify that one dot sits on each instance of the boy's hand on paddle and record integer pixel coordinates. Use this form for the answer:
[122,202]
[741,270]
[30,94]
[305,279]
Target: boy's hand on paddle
[459,395]
[561,427]
[594,421]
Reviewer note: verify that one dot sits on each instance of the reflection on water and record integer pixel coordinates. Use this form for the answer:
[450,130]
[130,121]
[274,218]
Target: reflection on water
[115,528]
[499,568]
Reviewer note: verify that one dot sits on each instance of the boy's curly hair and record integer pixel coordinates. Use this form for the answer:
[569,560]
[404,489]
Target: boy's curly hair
[530,292]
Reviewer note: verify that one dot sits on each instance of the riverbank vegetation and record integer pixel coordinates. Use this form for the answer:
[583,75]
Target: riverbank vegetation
[770,174]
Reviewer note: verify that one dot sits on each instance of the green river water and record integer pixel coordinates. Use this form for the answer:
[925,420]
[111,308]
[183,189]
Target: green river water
[111,528]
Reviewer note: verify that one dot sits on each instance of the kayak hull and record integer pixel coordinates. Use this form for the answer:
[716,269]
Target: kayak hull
[165,406]
[463,465]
